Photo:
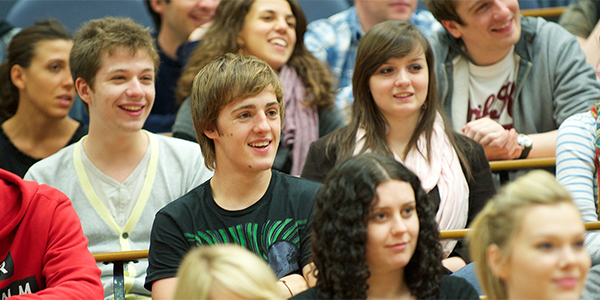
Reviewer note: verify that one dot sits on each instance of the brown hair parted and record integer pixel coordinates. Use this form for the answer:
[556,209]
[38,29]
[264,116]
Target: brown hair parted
[222,37]
[228,78]
[500,220]
[444,10]
[21,50]
[107,34]
[389,39]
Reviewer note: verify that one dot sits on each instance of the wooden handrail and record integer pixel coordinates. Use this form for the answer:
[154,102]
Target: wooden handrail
[121,255]
[546,13]
[141,254]
[501,165]
[459,234]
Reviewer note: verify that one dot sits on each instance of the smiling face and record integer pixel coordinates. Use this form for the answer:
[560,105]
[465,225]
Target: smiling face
[392,228]
[46,85]
[399,86]
[548,259]
[123,92]
[490,29]
[269,32]
[181,17]
[247,133]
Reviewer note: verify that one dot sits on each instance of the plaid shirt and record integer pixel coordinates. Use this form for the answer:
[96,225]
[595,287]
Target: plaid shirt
[335,41]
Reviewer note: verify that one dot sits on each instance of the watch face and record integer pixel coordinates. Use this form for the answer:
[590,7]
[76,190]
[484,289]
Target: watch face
[524,140]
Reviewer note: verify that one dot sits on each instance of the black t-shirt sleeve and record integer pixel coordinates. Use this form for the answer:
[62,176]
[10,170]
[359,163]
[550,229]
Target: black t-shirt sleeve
[168,246]
[305,242]
[457,288]
[300,193]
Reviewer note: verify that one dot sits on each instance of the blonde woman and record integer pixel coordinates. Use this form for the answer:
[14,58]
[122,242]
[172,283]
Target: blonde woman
[225,271]
[528,241]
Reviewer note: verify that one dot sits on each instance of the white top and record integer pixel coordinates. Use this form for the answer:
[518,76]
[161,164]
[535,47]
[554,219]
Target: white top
[116,196]
[491,89]
[176,167]
[483,91]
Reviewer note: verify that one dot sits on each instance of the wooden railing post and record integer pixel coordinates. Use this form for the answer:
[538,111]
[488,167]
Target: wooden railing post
[119,260]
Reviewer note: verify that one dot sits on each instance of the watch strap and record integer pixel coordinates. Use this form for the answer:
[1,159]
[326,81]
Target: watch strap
[525,152]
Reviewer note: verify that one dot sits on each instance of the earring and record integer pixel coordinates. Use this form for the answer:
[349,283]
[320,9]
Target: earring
[424,106]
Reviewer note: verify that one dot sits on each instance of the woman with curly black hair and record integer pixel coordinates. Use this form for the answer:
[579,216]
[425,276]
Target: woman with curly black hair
[374,235]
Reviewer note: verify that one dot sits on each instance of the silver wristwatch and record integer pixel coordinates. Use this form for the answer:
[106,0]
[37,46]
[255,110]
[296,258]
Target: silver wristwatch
[526,142]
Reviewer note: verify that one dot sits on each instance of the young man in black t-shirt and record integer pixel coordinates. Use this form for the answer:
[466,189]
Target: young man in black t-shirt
[237,108]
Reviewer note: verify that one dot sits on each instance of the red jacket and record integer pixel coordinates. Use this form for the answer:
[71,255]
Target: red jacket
[43,252]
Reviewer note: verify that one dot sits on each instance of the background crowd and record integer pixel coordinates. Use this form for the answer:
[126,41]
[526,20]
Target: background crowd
[274,149]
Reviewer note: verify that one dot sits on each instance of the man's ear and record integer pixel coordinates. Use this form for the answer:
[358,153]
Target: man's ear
[158,6]
[211,134]
[496,263]
[452,27]
[17,75]
[84,90]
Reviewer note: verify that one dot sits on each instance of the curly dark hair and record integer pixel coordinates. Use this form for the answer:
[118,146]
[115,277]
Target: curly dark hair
[339,230]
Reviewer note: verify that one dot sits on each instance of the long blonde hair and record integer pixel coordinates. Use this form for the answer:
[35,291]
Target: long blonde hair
[500,220]
[226,266]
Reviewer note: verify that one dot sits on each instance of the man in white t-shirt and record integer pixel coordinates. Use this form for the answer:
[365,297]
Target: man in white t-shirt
[119,176]
[508,81]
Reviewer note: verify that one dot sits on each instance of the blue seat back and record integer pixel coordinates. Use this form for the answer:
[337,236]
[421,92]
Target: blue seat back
[321,9]
[73,13]
[5,6]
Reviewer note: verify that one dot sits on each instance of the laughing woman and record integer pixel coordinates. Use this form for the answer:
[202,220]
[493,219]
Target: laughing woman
[36,93]
[273,31]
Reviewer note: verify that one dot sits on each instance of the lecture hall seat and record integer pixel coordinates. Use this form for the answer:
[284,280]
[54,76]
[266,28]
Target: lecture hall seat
[73,13]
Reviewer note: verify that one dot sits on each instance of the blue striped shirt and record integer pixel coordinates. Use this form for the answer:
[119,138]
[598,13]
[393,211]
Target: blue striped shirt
[576,171]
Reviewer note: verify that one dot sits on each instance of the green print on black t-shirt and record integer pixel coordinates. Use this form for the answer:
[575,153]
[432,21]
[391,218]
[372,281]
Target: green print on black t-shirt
[280,239]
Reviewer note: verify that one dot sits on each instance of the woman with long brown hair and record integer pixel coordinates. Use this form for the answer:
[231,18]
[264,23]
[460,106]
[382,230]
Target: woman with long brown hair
[396,112]
[273,31]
